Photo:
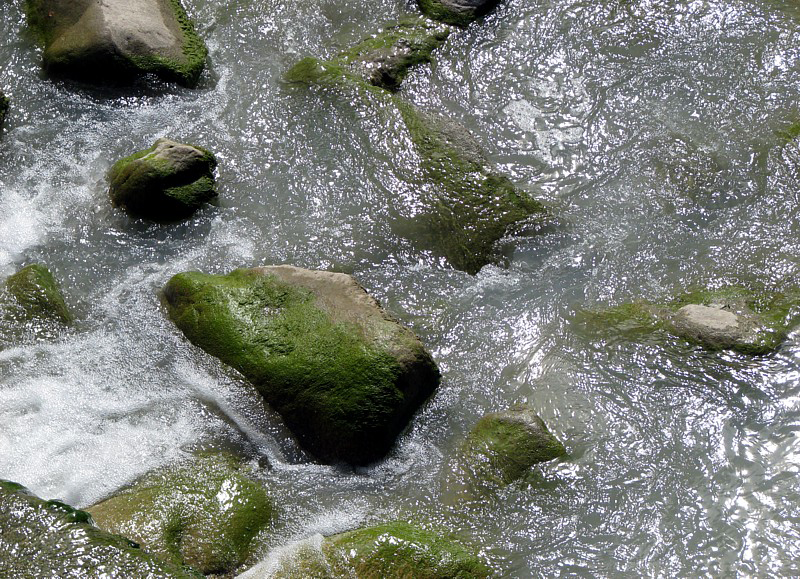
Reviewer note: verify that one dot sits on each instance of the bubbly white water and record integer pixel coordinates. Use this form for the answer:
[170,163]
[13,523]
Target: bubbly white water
[650,129]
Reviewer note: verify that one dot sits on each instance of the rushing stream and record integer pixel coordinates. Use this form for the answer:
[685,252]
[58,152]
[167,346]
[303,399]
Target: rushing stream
[651,130]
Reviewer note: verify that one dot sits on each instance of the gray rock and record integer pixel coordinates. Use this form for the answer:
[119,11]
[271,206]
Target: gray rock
[168,181]
[112,40]
[716,327]
[457,12]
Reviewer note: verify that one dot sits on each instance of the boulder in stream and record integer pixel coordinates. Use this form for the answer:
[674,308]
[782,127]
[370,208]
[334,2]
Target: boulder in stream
[746,320]
[207,513]
[166,182]
[502,448]
[345,377]
[102,41]
[456,12]
[40,538]
[32,294]
[396,549]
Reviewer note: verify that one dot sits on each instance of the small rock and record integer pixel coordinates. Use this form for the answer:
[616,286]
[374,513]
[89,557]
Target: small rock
[713,326]
[166,182]
[35,295]
[456,12]
[117,40]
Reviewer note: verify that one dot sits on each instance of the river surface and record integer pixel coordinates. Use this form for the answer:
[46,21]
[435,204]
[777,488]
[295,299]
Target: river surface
[650,128]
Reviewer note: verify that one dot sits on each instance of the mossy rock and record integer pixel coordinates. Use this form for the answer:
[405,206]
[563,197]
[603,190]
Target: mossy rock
[396,550]
[166,182]
[40,538]
[466,206]
[501,449]
[117,40]
[749,321]
[456,12]
[4,104]
[345,377]
[206,513]
[32,295]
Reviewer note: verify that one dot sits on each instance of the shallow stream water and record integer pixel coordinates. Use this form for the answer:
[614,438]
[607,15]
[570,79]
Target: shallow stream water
[651,130]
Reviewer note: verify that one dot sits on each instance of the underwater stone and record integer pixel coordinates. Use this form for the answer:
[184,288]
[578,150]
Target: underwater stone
[345,377]
[168,181]
[206,513]
[101,41]
[4,103]
[41,538]
[34,294]
[456,12]
[503,447]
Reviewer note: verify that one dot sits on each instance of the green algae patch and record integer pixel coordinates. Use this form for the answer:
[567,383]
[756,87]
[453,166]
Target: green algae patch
[34,295]
[344,376]
[207,514]
[458,13]
[749,321]
[106,43]
[165,182]
[40,538]
[399,549]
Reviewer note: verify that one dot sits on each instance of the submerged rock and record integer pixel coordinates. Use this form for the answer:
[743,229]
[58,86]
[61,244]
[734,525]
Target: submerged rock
[456,12]
[747,321]
[117,40]
[345,377]
[465,205]
[168,181]
[4,103]
[33,294]
[391,550]
[206,514]
[502,448]
[41,538]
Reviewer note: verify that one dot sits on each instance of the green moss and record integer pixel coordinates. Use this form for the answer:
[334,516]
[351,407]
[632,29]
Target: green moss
[401,550]
[436,10]
[51,539]
[344,395]
[206,514]
[36,292]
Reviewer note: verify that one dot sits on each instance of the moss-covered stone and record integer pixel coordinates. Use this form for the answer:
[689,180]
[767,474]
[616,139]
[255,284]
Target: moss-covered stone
[456,12]
[115,41]
[345,377]
[749,321]
[166,182]
[501,449]
[41,538]
[466,206]
[206,513]
[33,293]
[400,549]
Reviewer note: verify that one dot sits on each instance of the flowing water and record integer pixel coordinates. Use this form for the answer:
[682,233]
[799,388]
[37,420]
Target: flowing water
[651,130]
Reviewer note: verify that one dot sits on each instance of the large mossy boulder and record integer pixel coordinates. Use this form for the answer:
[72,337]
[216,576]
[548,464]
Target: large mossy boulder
[456,12]
[465,206]
[114,41]
[207,514]
[502,448]
[345,377]
[396,550]
[749,321]
[41,538]
[166,182]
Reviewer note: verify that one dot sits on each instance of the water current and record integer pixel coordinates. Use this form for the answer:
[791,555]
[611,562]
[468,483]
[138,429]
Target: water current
[652,131]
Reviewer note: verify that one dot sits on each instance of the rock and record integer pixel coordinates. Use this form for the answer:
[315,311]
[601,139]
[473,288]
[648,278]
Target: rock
[345,377]
[3,108]
[502,448]
[41,538]
[166,182]
[746,320]
[456,12]
[206,514]
[396,549]
[465,206]
[33,294]
[102,41]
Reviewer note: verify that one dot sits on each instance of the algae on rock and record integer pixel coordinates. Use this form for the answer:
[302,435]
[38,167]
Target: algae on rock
[206,513]
[456,12]
[344,376]
[40,538]
[117,40]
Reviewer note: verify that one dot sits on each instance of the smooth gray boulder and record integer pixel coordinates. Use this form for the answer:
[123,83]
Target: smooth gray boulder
[715,326]
[166,182]
[456,12]
[102,41]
